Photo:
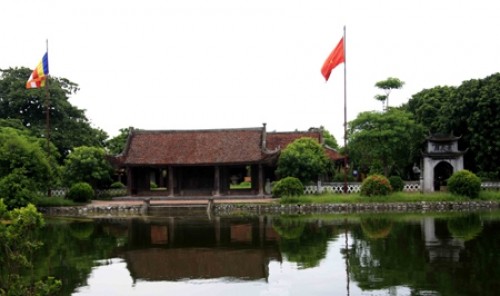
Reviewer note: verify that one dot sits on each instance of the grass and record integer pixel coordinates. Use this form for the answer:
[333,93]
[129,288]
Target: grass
[395,197]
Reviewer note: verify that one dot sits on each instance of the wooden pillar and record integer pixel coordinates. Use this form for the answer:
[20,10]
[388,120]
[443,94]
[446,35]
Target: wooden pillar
[170,181]
[261,180]
[130,182]
[216,181]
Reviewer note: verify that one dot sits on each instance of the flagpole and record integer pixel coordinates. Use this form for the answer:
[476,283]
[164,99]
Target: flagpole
[47,120]
[346,166]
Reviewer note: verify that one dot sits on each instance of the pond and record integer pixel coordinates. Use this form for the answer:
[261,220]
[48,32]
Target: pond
[365,254]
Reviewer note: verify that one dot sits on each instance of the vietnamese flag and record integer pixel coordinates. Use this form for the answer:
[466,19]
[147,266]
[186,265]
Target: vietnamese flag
[334,59]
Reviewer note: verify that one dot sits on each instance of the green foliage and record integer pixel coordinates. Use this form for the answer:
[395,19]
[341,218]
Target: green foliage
[17,246]
[153,185]
[304,159]
[397,183]
[117,185]
[376,185]
[386,141]
[17,189]
[117,144]
[471,110]
[81,192]
[388,85]
[464,183]
[87,164]
[289,186]
[69,126]
[329,139]
[24,168]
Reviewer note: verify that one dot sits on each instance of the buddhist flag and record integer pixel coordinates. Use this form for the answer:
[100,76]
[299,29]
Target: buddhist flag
[334,59]
[39,75]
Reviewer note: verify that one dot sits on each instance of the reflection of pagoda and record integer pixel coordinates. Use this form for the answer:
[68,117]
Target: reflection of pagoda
[440,249]
[165,250]
[441,159]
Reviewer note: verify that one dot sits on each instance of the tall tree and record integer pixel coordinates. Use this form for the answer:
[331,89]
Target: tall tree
[429,108]
[474,113]
[384,142]
[387,86]
[471,111]
[69,125]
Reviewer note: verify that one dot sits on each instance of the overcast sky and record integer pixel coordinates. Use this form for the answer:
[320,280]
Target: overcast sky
[196,64]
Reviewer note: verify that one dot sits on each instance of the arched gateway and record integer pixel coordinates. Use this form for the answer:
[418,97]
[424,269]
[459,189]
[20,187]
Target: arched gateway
[441,159]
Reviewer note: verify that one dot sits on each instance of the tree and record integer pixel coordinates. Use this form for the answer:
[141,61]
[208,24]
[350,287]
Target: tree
[303,159]
[117,144]
[18,243]
[24,167]
[429,108]
[474,113]
[388,85]
[329,139]
[384,142]
[87,164]
[471,111]
[69,126]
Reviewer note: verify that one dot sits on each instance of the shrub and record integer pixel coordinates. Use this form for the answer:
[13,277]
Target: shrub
[376,185]
[464,183]
[117,185]
[289,186]
[397,183]
[81,192]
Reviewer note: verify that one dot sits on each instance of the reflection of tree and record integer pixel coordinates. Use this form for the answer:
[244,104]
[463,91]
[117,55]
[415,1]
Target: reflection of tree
[376,228]
[288,228]
[301,242]
[465,227]
[401,259]
[81,230]
[384,263]
[70,251]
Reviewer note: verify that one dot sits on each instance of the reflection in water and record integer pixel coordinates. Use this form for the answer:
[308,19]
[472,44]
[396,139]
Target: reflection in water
[280,255]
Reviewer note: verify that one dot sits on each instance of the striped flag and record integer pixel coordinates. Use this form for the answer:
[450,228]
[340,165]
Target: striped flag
[39,75]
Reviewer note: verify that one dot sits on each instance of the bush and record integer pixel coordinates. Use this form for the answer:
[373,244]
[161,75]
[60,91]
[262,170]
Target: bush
[397,183]
[464,183]
[152,185]
[376,185]
[117,185]
[289,186]
[81,192]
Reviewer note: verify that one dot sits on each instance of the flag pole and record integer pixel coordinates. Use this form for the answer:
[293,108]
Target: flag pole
[47,121]
[346,165]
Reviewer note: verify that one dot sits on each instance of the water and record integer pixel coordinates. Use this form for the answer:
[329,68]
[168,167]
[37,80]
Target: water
[377,254]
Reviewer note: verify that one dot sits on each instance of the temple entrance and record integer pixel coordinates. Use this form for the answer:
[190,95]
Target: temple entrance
[442,171]
[441,158]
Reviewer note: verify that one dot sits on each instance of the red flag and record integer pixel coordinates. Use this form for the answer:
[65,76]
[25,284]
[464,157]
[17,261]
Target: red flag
[334,59]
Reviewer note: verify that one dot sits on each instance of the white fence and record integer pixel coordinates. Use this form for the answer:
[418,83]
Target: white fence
[355,187]
[61,192]
[352,187]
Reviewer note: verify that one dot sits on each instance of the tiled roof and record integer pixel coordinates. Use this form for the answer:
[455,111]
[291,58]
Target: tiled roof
[194,147]
[283,139]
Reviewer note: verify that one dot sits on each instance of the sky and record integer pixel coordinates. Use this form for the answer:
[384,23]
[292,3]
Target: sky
[210,64]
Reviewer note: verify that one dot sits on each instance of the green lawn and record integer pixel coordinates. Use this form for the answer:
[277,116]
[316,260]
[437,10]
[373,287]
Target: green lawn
[395,197]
